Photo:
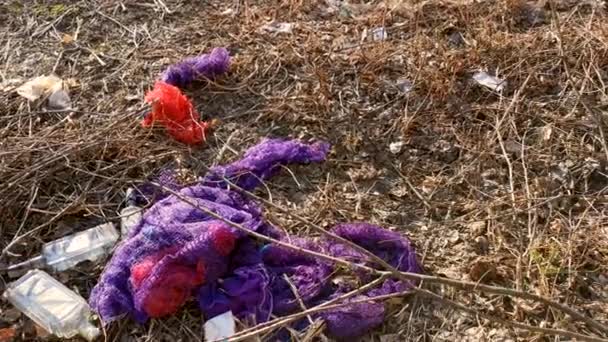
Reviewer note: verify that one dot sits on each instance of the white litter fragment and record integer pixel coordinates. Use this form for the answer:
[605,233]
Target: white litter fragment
[39,86]
[220,327]
[546,132]
[129,215]
[488,81]
[228,12]
[379,34]
[396,147]
[60,100]
[51,86]
[405,85]
[278,27]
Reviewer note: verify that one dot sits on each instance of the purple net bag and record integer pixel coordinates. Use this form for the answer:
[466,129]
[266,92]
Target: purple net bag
[178,251]
[207,65]
[171,235]
[264,160]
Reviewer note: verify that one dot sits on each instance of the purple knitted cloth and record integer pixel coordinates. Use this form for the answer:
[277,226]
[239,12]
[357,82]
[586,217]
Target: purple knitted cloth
[204,66]
[177,252]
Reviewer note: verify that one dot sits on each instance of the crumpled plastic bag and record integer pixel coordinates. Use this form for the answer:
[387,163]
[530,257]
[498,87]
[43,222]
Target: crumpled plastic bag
[51,86]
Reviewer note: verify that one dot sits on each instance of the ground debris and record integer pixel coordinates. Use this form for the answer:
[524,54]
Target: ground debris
[63,172]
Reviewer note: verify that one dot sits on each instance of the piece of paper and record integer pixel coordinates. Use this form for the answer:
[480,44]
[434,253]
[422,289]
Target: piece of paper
[489,81]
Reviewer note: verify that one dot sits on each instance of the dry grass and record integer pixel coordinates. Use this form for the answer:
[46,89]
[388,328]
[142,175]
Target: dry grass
[504,189]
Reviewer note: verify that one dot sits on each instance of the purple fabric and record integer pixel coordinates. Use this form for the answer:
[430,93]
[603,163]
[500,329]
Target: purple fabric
[228,270]
[208,65]
[147,193]
[354,320]
[264,160]
[245,292]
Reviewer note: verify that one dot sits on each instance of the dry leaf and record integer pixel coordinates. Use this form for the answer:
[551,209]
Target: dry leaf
[67,39]
[483,271]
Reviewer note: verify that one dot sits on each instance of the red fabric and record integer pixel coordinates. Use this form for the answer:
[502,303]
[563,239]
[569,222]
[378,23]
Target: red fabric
[171,293]
[140,271]
[173,289]
[223,240]
[173,110]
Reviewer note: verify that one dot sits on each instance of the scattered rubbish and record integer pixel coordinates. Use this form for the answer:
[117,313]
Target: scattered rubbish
[39,86]
[220,327]
[62,254]
[129,215]
[405,85]
[228,11]
[488,81]
[175,111]
[51,305]
[379,34]
[178,250]
[59,100]
[204,66]
[546,132]
[276,27]
[561,172]
[42,86]
[395,147]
